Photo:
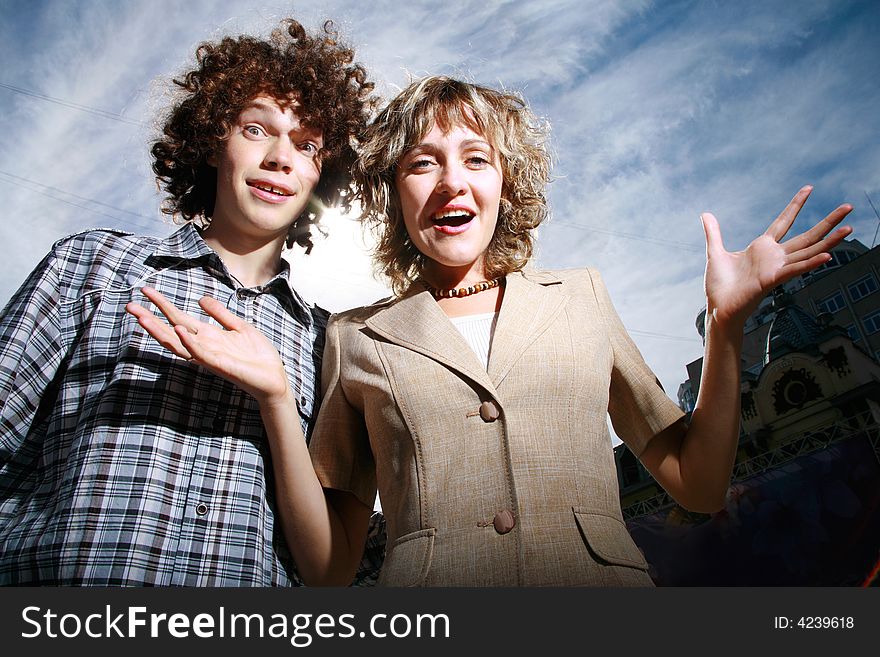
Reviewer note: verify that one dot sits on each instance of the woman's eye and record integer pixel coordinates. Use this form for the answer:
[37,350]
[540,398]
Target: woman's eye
[420,164]
[478,161]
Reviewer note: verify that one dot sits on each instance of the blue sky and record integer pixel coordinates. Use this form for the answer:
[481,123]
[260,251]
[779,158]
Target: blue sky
[659,110]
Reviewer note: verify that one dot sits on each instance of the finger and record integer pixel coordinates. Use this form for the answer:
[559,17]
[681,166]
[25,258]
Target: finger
[802,267]
[172,313]
[155,326]
[136,309]
[714,242]
[823,246]
[160,331]
[191,342]
[783,222]
[820,230]
[223,316]
[201,348]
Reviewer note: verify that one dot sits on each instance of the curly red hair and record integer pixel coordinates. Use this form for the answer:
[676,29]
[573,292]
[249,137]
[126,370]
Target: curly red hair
[332,93]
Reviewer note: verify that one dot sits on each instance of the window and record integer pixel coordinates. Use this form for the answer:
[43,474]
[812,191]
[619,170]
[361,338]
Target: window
[853,333]
[846,256]
[629,468]
[863,287]
[838,259]
[832,303]
[686,401]
[871,322]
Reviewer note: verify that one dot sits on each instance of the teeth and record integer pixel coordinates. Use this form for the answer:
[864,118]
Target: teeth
[452,213]
[273,190]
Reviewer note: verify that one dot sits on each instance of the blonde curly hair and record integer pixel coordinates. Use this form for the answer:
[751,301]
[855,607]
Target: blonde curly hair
[504,119]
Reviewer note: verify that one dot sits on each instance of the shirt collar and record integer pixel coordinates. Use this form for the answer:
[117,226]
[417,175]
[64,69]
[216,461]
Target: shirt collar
[309,310]
[186,243]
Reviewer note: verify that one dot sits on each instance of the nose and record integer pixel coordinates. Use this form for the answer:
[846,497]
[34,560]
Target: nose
[279,156]
[451,180]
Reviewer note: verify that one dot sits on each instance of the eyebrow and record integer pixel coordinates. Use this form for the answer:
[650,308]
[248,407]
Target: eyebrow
[467,143]
[260,105]
[263,106]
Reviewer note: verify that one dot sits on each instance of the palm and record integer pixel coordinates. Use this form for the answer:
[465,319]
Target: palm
[236,350]
[736,282]
[243,356]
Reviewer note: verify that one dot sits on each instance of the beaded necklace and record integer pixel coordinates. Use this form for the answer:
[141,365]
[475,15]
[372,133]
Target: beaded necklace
[458,293]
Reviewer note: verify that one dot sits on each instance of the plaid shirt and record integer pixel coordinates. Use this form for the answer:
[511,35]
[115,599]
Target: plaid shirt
[121,464]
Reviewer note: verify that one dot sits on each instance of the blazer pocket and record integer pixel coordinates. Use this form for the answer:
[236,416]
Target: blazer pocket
[609,540]
[408,559]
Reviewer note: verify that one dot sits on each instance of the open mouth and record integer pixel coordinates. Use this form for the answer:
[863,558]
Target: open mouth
[452,221]
[270,189]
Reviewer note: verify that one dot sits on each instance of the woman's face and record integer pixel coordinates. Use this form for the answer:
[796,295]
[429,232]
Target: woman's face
[450,189]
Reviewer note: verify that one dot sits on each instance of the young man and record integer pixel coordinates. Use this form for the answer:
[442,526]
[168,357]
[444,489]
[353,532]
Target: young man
[119,464]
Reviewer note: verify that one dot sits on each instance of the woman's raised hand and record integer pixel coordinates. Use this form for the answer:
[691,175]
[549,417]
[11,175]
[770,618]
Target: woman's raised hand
[736,282]
[235,350]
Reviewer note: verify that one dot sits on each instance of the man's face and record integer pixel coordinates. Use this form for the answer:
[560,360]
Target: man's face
[266,172]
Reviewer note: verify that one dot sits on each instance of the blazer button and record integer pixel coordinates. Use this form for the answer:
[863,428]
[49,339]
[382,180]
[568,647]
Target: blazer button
[489,411]
[504,521]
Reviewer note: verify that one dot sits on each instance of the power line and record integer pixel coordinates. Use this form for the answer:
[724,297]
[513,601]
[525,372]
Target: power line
[53,193]
[76,205]
[874,241]
[66,103]
[629,236]
[118,117]
[663,336]
[81,198]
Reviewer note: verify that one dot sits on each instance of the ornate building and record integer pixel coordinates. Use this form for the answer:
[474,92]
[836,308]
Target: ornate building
[804,504]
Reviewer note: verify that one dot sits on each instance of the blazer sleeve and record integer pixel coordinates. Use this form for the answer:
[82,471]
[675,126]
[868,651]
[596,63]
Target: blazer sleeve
[340,447]
[637,404]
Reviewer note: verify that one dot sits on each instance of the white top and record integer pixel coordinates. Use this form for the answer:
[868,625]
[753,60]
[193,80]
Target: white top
[477,331]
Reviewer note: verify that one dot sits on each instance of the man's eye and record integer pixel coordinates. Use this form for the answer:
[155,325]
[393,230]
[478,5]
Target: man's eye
[254,130]
[309,147]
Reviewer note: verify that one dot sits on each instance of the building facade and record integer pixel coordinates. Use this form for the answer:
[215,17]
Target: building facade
[804,504]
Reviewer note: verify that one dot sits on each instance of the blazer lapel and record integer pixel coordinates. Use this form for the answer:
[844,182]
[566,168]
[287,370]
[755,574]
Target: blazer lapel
[529,308]
[417,322]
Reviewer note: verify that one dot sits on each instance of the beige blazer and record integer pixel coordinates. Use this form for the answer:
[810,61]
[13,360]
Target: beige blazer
[503,477]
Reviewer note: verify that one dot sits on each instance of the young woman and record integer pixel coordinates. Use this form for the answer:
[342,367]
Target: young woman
[475,400]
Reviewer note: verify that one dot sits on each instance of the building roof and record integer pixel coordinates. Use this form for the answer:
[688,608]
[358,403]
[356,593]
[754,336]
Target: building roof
[794,329]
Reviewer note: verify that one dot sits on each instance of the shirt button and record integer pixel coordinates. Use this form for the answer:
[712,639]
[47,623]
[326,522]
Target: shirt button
[504,521]
[201,509]
[489,411]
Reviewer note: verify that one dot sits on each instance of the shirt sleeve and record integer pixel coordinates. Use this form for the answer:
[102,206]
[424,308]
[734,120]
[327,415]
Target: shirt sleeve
[31,352]
[340,446]
[638,406]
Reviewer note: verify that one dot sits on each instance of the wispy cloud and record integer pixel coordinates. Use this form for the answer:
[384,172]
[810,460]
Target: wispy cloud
[659,111]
